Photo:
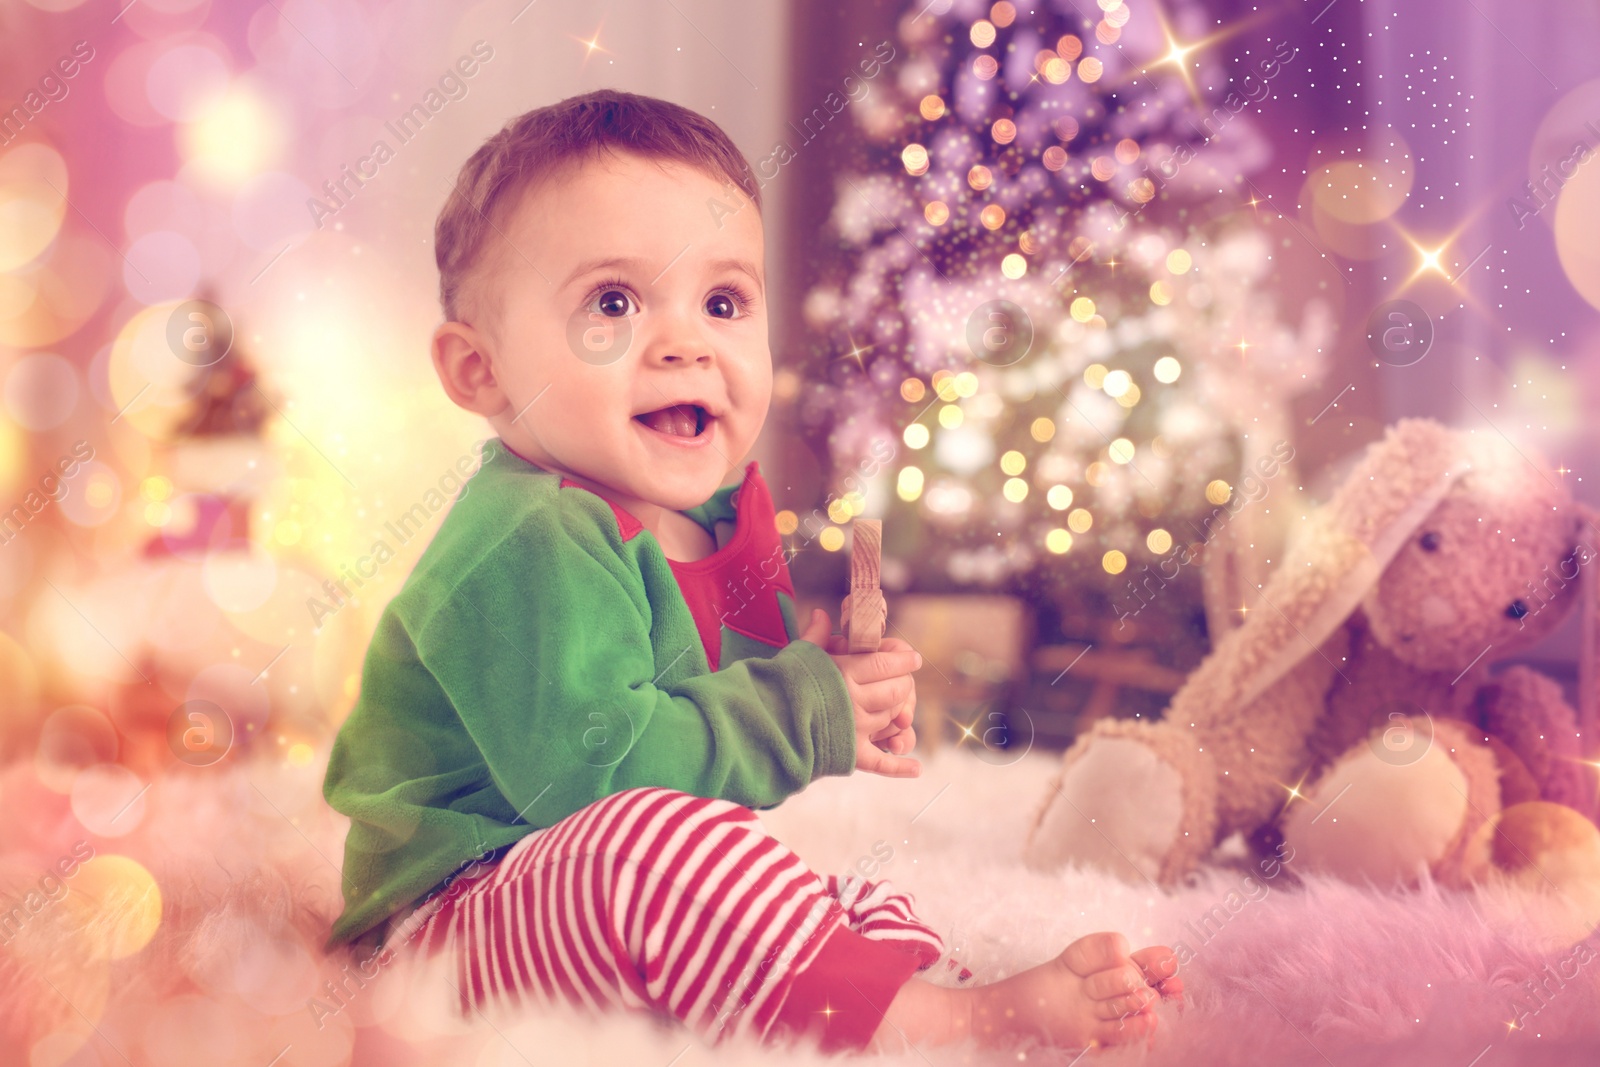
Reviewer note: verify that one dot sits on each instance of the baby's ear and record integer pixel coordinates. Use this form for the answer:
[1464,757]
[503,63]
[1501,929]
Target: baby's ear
[461,359]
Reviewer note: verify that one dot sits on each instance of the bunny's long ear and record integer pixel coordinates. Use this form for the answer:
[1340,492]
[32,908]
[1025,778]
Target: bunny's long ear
[1589,628]
[1335,561]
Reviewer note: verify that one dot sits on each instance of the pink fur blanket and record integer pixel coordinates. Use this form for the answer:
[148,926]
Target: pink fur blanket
[245,857]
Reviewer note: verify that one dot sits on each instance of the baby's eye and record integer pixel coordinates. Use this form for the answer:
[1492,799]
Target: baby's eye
[612,303]
[723,306]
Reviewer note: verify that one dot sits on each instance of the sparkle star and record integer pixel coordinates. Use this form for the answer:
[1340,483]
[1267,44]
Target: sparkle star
[1430,259]
[856,352]
[1294,792]
[591,46]
[1178,53]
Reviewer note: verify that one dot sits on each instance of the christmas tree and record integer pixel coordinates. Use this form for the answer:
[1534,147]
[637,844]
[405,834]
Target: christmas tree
[1048,357]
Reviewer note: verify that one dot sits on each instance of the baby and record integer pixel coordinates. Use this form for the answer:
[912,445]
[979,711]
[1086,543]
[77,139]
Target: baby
[595,673]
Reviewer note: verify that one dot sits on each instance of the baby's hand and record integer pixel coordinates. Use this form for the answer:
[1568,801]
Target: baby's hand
[883,694]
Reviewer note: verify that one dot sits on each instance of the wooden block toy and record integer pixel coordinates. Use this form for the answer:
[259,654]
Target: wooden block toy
[864,616]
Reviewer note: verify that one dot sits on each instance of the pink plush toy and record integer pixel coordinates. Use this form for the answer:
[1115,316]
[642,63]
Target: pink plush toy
[1354,711]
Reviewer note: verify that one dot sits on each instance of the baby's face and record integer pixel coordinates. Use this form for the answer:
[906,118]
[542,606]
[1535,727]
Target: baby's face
[631,331]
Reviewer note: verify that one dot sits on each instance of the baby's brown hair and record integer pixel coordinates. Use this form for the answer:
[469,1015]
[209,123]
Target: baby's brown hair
[534,146]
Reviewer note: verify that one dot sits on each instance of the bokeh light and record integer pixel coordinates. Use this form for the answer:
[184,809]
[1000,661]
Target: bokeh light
[41,391]
[33,201]
[1577,224]
[187,79]
[94,496]
[238,135]
[108,799]
[116,903]
[73,739]
[1369,188]
[909,483]
[240,581]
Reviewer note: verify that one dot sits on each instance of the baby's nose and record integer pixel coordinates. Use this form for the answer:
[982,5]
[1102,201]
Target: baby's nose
[686,357]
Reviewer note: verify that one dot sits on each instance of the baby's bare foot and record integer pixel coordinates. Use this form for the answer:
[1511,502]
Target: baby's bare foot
[1094,993]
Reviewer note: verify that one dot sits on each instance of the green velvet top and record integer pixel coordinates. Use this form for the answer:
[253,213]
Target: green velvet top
[543,655]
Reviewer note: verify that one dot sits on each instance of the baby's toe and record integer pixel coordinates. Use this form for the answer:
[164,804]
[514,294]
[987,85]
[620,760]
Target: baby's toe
[1097,952]
[1157,962]
[1125,1028]
[1125,1006]
[1114,982]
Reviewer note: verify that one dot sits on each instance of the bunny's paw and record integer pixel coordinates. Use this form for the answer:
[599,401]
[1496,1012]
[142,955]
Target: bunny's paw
[1116,805]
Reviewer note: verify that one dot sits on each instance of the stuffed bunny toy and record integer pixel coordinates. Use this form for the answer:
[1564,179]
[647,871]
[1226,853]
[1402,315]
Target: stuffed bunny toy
[1352,718]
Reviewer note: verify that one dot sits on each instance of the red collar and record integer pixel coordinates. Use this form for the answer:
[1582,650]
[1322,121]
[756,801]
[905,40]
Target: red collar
[737,585]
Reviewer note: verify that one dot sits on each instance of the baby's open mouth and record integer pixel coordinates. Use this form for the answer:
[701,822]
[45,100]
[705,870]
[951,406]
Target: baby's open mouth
[679,420]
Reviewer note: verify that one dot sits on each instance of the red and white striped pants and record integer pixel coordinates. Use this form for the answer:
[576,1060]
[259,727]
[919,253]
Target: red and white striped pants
[653,899]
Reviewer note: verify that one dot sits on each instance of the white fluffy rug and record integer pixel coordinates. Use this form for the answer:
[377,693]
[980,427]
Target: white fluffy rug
[1315,973]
